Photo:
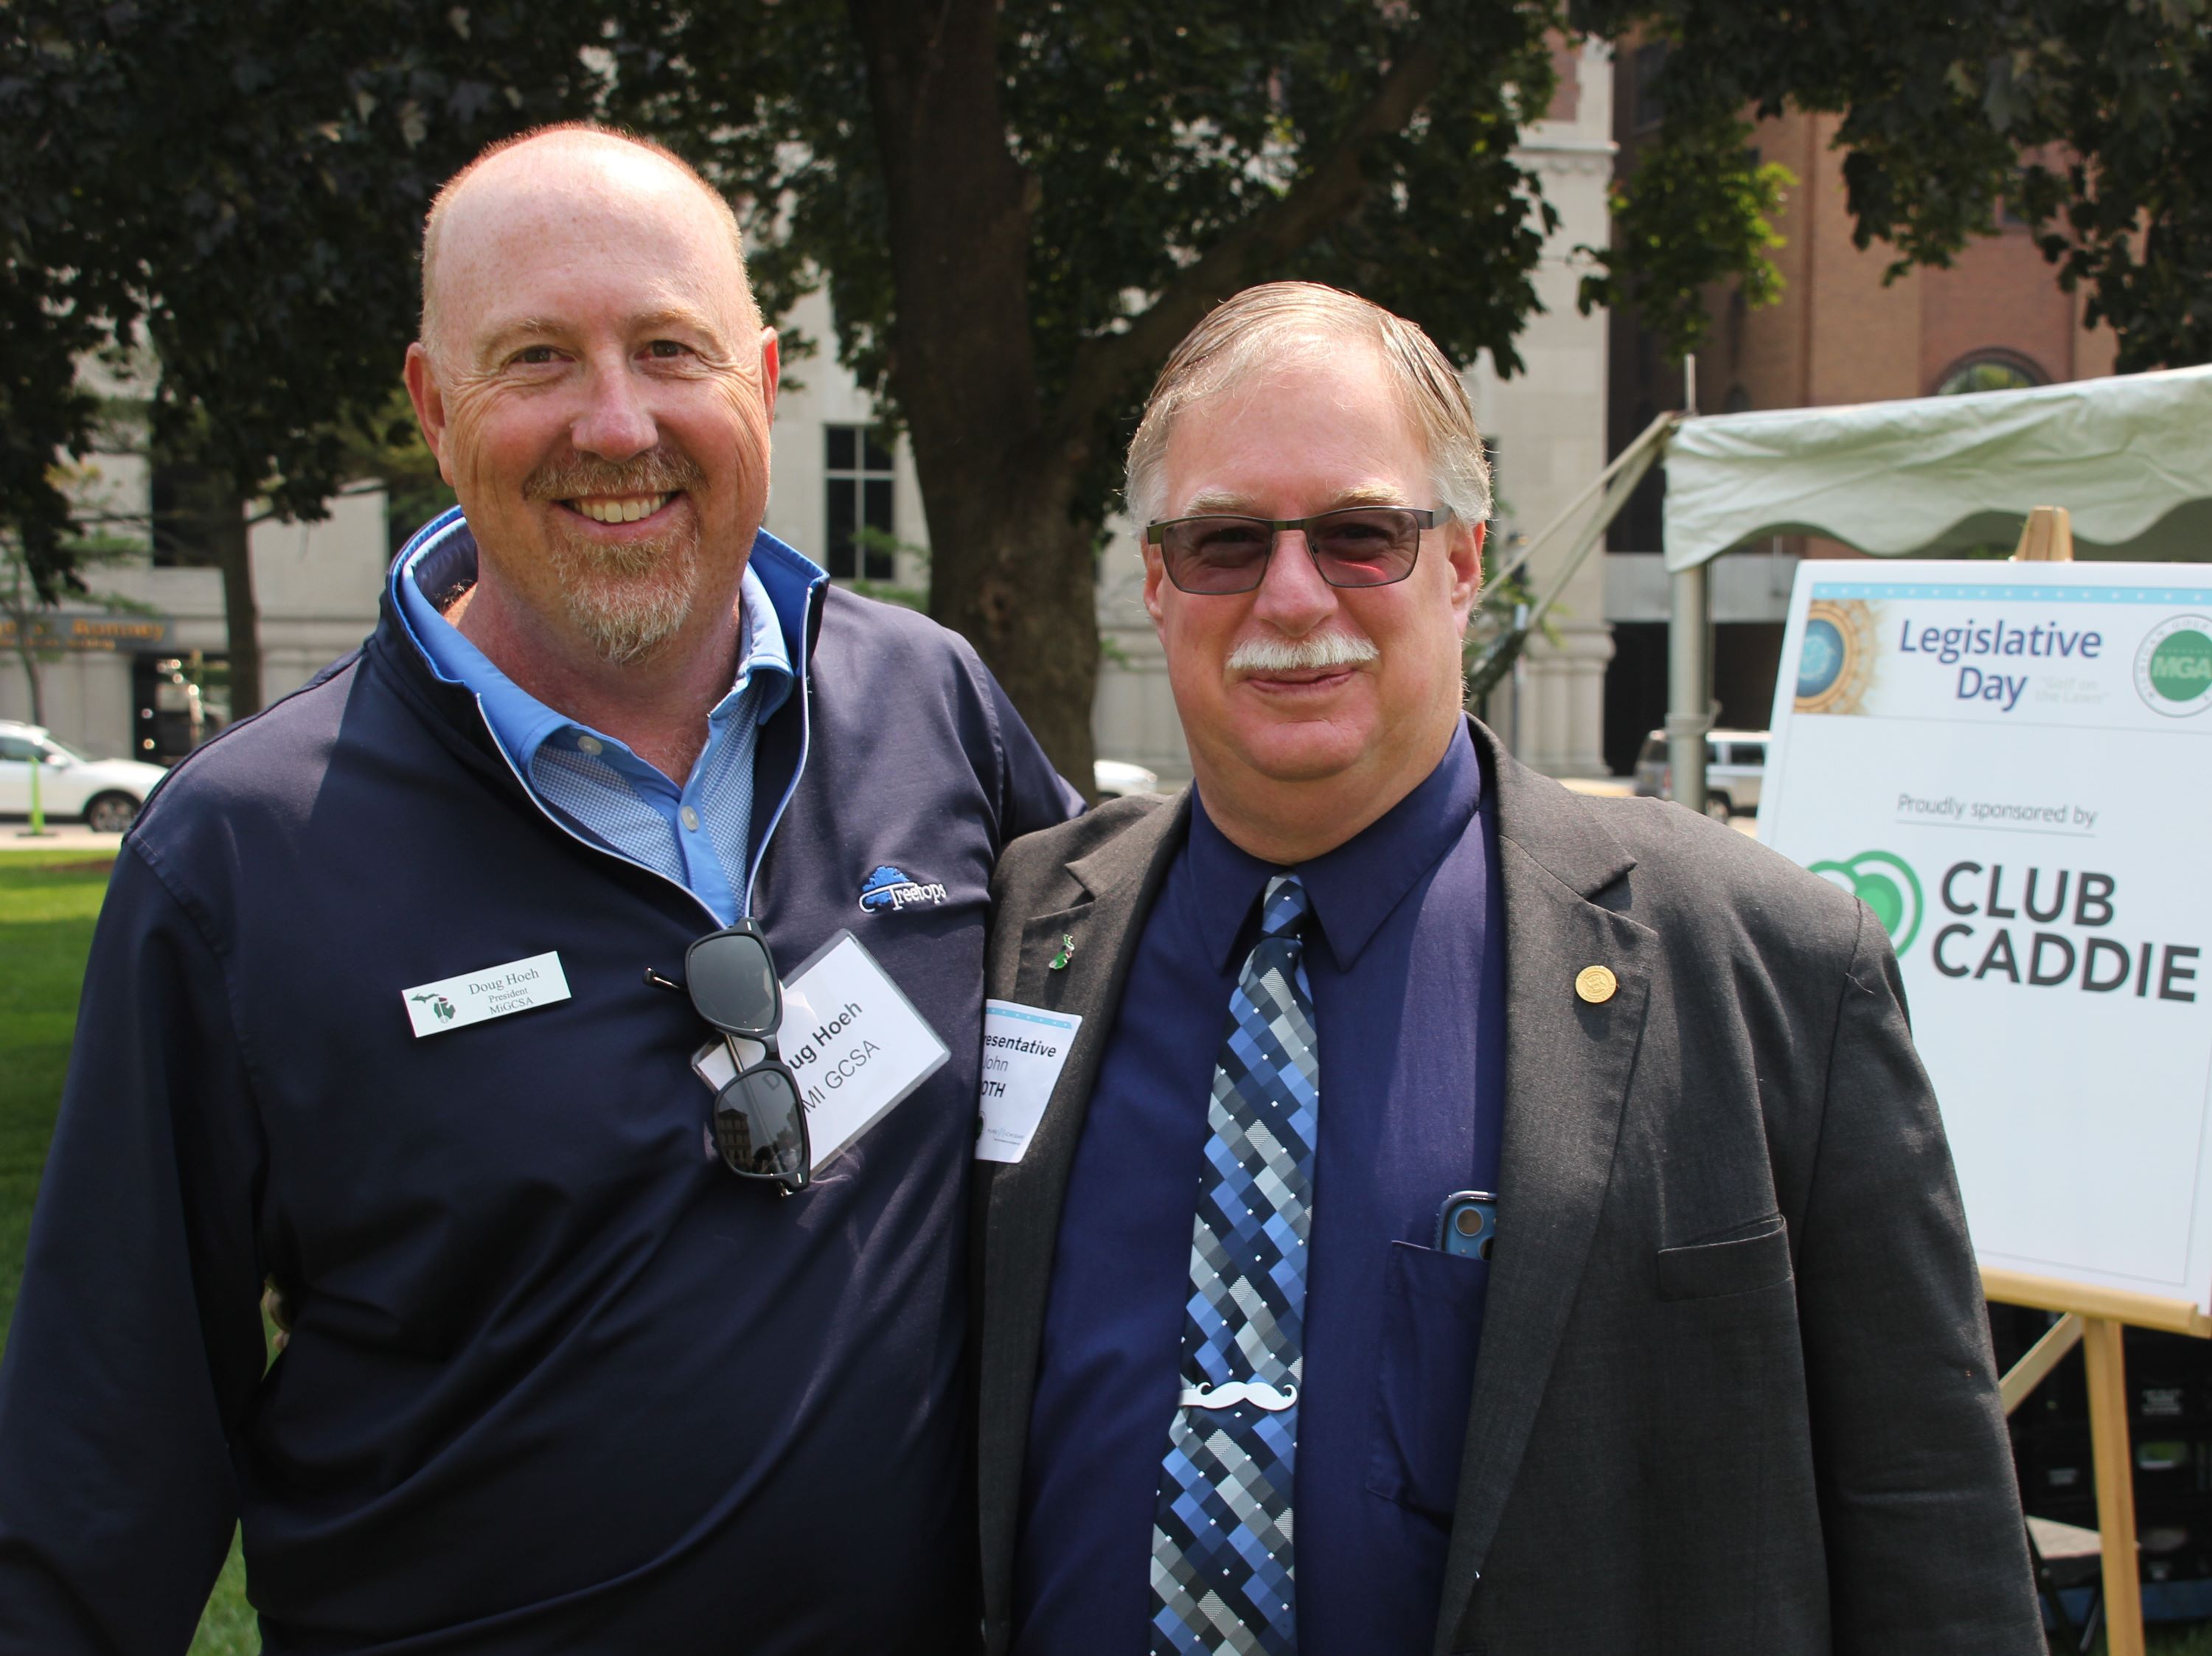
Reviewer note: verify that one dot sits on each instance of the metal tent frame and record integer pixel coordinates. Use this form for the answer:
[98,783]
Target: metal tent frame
[2129,457]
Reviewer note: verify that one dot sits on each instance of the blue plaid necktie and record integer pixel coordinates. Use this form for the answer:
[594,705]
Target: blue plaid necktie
[1222,1576]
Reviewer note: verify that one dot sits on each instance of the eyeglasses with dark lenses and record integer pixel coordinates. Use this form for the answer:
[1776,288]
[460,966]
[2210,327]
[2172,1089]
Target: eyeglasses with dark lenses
[760,1121]
[1359,546]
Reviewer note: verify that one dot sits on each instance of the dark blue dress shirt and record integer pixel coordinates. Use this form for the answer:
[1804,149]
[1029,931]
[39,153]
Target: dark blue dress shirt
[1404,956]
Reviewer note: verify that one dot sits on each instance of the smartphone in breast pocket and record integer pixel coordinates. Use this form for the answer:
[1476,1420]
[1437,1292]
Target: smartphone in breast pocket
[1467,1224]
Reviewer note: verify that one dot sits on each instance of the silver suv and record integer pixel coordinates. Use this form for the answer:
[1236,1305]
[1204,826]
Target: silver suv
[1735,767]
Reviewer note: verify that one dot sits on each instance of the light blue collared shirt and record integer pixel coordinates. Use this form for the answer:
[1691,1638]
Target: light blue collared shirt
[695,835]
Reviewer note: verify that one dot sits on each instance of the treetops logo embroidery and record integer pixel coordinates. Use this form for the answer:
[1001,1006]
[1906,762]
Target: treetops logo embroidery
[889,889]
[1886,884]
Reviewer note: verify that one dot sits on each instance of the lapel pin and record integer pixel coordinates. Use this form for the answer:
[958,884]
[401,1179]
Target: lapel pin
[1596,984]
[1058,962]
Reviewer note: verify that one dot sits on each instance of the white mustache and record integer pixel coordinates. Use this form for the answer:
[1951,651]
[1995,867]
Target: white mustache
[1299,655]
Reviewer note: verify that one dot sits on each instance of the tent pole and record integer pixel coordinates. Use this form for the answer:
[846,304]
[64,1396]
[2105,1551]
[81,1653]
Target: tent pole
[1611,488]
[1689,683]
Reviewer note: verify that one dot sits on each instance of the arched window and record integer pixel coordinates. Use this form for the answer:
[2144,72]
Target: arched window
[1989,371]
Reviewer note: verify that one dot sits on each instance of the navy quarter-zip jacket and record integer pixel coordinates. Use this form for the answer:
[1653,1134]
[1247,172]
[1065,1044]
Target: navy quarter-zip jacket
[558,1382]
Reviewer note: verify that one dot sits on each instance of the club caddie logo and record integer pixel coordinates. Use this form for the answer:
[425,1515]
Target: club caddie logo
[889,890]
[1886,884]
[2173,668]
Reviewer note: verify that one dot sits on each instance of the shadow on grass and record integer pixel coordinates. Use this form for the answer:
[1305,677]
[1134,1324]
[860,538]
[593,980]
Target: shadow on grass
[48,902]
[45,930]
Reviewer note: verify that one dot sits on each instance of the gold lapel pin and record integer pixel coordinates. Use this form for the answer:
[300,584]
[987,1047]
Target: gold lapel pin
[1596,984]
[1066,946]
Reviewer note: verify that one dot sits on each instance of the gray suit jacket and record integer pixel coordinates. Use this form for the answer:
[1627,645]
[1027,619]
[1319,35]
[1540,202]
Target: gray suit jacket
[1734,1392]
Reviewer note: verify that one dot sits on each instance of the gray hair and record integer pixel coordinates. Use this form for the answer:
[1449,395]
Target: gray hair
[433,224]
[1281,323]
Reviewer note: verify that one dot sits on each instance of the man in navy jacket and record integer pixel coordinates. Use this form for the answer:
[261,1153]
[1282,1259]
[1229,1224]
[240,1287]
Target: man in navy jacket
[557,1380]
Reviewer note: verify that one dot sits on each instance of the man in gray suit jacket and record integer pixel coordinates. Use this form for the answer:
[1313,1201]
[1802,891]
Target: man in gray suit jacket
[1468,1217]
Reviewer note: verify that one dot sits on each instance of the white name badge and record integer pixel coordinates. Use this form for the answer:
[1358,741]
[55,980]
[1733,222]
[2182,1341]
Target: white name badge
[853,1040]
[1023,1050]
[456,1003]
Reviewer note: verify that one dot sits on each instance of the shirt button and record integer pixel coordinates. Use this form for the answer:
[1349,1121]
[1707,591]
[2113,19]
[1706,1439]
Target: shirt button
[590,744]
[690,818]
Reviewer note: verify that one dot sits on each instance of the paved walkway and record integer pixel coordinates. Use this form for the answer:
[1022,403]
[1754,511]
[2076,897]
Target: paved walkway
[60,836]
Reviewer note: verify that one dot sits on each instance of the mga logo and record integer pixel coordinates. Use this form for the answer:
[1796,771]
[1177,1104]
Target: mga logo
[2174,669]
[889,890]
[1885,884]
[440,1008]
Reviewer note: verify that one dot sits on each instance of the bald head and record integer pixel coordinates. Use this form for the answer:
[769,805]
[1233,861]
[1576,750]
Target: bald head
[542,179]
[598,388]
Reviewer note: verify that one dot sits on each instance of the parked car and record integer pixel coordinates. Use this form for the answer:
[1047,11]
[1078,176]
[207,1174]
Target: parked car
[1119,776]
[105,792]
[1735,768]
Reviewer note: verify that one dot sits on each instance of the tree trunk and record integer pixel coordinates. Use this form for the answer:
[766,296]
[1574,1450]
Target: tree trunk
[31,674]
[1021,590]
[1011,560]
[18,604]
[227,531]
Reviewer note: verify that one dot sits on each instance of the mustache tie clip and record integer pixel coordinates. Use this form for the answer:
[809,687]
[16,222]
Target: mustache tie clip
[1230,1394]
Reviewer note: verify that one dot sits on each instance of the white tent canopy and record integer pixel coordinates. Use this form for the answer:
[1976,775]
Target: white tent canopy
[2129,458]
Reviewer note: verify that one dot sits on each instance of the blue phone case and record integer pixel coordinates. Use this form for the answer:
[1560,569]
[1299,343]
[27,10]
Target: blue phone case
[1466,1224]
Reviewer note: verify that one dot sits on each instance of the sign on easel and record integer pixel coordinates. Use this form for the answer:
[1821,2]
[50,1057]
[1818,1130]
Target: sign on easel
[2012,763]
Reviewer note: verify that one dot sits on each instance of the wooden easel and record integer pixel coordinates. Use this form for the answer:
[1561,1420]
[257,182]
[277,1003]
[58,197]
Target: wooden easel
[2093,1318]
[2047,536]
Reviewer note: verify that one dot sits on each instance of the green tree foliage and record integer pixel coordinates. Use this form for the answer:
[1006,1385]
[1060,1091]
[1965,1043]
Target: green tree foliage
[2114,107]
[2092,120]
[1699,210]
[1018,206]
[246,185]
[239,185]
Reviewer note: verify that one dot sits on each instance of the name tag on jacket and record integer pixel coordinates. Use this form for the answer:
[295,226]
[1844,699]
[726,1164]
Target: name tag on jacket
[853,1041]
[1024,1048]
[456,1003]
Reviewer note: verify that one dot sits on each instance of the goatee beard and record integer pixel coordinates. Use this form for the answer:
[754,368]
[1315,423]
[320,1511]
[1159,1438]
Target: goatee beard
[627,600]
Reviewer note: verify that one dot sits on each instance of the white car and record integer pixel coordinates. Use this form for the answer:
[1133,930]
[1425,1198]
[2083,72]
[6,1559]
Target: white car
[1735,771]
[105,792]
[1118,777]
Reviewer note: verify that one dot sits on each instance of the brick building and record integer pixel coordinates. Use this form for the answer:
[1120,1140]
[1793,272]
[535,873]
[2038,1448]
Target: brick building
[1840,334]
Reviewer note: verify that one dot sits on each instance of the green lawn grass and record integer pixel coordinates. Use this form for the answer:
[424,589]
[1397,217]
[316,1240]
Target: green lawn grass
[48,901]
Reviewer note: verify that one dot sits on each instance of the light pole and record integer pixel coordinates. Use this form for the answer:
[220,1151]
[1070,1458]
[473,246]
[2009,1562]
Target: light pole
[37,828]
